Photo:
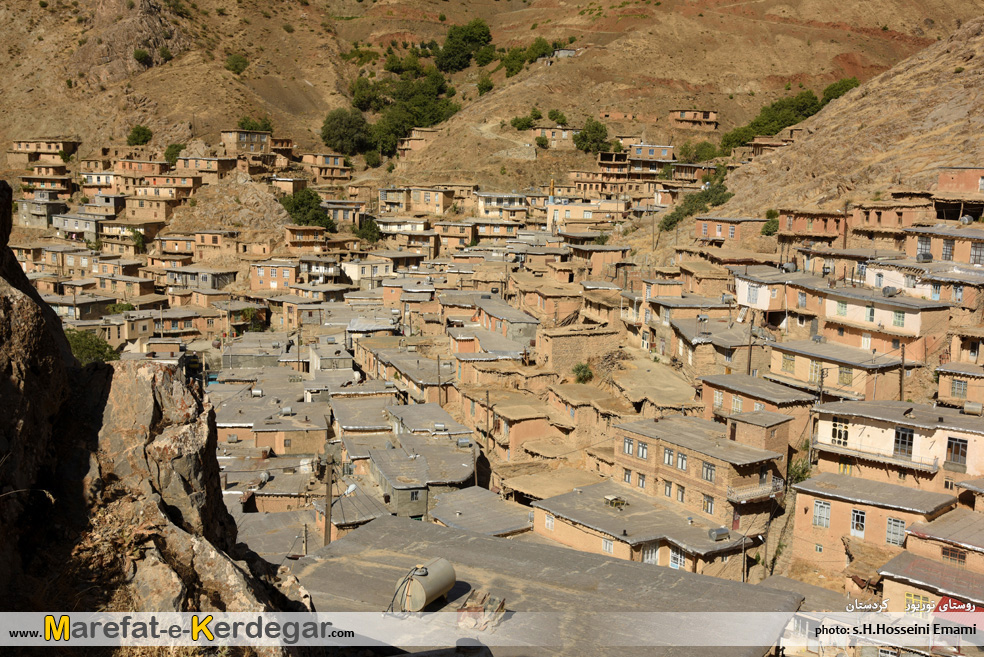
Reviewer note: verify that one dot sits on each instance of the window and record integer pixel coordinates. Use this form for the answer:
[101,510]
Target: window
[841,308]
[898,318]
[707,472]
[753,294]
[729,355]
[703,228]
[895,531]
[838,432]
[923,245]
[817,548]
[958,388]
[903,443]
[801,299]
[956,451]
[681,493]
[759,406]
[718,399]
[947,250]
[731,232]
[845,375]
[708,505]
[667,488]
[954,556]
[286,442]
[414,495]
[910,280]
[736,402]
[677,558]
[821,513]
[844,467]
[948,483]
[643,451]
[627,445]
[607,545]
[958,293]
[788,363]
[668,456]
[857,523]
[919,604]
[641,480]
[816,367]
[627,476]
[682,461]
[869,313]
[977,253]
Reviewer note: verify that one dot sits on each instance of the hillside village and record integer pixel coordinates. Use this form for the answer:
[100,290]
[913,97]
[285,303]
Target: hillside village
[791,401]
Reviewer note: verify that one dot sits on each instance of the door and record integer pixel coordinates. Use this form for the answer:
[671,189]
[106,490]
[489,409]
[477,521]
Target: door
[866,341]
[857,523]
[649,554]
[763,474]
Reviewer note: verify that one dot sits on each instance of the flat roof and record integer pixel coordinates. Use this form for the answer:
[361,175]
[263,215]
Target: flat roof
[641,520]
[359,572]
[758,388]
[923,416]
[839,353]
[940,578]
[699,435]
[962,527]
[480,510]
[550,483]
[874,493]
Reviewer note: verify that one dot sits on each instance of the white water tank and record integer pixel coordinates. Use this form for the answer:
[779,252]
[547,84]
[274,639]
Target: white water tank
[424,585]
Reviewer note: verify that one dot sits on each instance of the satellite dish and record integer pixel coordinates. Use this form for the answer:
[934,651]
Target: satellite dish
[350,489]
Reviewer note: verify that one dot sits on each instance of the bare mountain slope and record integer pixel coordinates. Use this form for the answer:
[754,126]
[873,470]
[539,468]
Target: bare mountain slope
[893,131]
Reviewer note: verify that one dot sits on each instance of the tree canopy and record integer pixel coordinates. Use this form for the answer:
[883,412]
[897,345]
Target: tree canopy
[263,123]
[305,209]
[345,131]
[139,135]
[461,43]
[89,347]
[172,152]
[368,230]
[593,138]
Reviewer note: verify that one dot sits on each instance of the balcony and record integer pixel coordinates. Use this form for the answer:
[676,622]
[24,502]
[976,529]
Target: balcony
[900,460]
[743,494]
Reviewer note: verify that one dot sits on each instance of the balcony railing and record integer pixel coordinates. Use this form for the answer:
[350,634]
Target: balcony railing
[910,462]
[743,494]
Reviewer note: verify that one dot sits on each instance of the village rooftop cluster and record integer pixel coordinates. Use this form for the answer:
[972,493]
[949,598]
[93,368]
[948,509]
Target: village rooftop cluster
[805,426]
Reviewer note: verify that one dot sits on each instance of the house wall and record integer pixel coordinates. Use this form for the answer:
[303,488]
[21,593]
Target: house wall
[300,442]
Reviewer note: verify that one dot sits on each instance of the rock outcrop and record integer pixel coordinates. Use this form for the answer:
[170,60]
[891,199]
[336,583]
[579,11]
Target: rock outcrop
[109,486]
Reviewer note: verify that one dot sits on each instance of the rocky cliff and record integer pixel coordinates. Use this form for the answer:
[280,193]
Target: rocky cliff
[109,476]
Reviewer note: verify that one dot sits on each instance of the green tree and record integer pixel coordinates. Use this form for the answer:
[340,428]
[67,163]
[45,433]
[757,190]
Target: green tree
[536,114]
[593,138]
[117,308]
[89,347]
[461,43]
[514,61]
[539,48]
[713,195]
[139,135]
[773,118]
[345,131]
[165,54]
[485,55]
[252,316]
[373,159]
[263,124]
[485,84]
[368,230]
[143,57]
[521,122]
[305,209]
[139,240]
[557,117]
[172,152]
[583,373]
[542,142]
[236,63]
[770,227]
[838,89]
[602,239]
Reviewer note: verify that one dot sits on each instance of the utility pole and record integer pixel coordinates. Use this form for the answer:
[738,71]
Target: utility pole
[305,540]
[328,492]
[902,376]
[823,375]
[438,380]
[488,421]
[751,324]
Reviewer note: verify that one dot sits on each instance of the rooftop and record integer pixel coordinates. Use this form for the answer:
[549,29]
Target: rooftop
[702,436]
[922,416]
[480,510]
[962,527]
[940,578]
[874,493]
[757,388]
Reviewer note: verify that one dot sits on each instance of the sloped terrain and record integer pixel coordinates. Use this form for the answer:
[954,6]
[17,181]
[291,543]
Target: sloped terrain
[896,130]
[69,66]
